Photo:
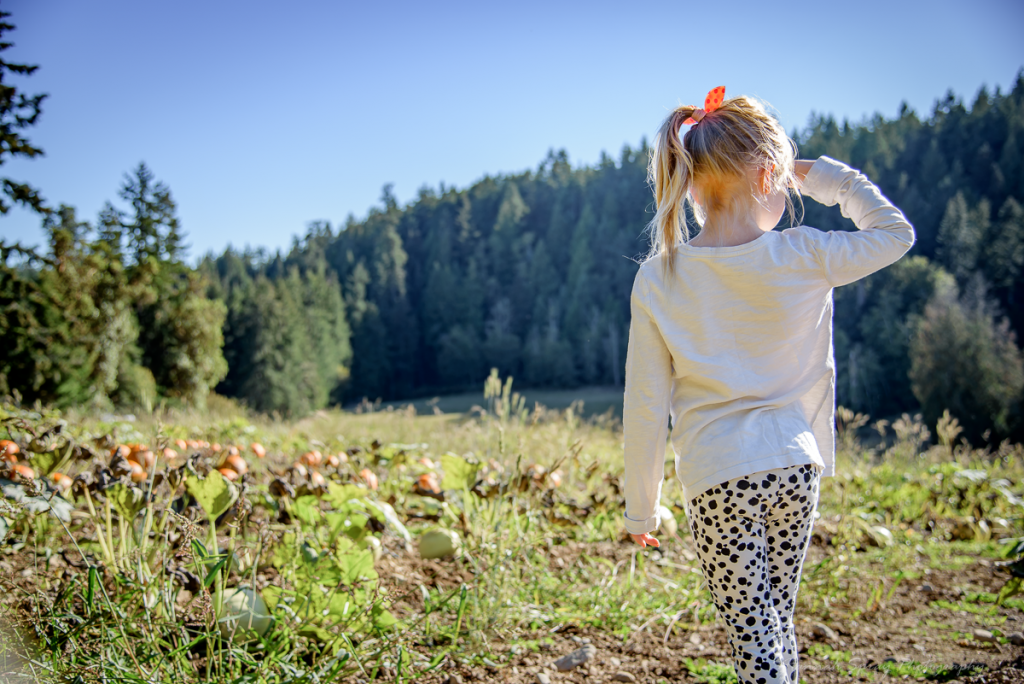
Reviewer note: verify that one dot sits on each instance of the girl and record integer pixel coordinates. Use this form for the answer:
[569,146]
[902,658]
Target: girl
[731,336]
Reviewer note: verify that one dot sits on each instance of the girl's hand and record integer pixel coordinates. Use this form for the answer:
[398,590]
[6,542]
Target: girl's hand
[801,168]
[645,540]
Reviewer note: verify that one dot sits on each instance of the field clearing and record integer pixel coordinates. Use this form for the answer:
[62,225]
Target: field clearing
[902,581]
[593,401]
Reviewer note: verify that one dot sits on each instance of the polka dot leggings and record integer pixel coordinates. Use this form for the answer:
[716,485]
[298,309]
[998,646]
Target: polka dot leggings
[752,535]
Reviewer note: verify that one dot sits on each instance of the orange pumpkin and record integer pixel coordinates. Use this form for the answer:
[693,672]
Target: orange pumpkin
[229,474]
[333,461]
[258,449]
[215,447]
[312,458]
[181,444]
[317,479]
[24,472]
[138,474]
[427,482]
[146,459]
[370,478]
[237,463]
[122,450]
[300,470]
[62,481]
[9,448]
[170,453]
[232,450]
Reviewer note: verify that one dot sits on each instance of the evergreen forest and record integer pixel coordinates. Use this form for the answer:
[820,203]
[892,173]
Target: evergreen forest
[529,273]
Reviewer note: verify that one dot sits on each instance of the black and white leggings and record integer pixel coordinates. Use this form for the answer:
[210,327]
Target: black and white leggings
[752,535]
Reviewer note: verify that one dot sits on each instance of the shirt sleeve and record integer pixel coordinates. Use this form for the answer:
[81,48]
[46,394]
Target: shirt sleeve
[645,413]
[883,235]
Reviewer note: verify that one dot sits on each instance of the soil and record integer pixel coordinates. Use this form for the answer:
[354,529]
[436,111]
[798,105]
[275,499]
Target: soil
[906,628]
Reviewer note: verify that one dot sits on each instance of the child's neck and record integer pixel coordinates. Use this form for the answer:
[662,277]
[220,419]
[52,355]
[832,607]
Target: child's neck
[727,231]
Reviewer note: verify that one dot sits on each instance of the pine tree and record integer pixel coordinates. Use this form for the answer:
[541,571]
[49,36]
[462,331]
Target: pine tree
[17,112]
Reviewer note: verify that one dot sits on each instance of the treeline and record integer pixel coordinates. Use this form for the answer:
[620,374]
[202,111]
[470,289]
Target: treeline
[529,273]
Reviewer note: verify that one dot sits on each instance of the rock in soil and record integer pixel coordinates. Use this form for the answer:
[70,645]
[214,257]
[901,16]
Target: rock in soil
[985,635]
[623,677]
[822,631]
[1017,639]
[543,678]
[576,658]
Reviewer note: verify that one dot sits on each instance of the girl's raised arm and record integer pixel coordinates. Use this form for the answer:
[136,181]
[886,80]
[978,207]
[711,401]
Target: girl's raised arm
[883,235]
[645,412]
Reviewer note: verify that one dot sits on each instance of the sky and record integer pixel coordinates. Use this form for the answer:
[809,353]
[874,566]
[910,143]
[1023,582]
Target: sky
[261,117]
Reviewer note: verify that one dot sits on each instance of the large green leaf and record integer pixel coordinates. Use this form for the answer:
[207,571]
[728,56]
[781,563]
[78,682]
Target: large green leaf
[126,500]
[339,495]
[458,472]
[213,493]
[307,509]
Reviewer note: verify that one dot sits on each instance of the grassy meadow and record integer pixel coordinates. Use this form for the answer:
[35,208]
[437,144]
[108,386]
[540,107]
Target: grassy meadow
[121,573]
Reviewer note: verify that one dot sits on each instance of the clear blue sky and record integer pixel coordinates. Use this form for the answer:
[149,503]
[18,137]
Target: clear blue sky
[264,116]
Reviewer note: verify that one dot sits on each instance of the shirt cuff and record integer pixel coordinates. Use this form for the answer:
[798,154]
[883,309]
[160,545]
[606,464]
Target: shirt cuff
[641,526]
[824,179]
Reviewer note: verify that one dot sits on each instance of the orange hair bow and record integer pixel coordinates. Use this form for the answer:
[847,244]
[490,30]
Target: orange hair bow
[712,102]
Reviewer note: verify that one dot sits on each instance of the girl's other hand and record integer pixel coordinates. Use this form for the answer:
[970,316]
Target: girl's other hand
[645,540]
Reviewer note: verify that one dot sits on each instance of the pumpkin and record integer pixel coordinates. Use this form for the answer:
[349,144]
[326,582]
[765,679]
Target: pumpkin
[427,482]
[317,479]
[258,449]
[9,448]
[137,474]
[333,461]
[232,450]
[214,447]
[61,481]
[181,444]
[426,462]
[370,478]
[24,472]
[237,463]
[439,544]
[146,459]
[312,458]
[122,450]
[229,474]
[243,613]
[300,470]
[170,453]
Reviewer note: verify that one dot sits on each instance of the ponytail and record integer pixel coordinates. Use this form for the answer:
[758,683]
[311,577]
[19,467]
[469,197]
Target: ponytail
[671,173]
[716,155]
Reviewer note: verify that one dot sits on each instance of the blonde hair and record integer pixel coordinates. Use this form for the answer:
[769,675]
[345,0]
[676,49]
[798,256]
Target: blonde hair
[715,154]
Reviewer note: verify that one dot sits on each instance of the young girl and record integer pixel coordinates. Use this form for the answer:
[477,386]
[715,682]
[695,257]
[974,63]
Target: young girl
[731,336]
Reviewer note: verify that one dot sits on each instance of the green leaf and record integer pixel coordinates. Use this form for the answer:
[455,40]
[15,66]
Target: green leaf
[126,500]
[44,463]
[200,549]
[212,575]
[382,619]
[339,495]
[307,509]
[214,494]
[458,472]
[1011,588]
[90,593]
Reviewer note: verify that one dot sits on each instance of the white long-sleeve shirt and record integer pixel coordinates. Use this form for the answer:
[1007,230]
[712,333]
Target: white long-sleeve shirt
[735,344]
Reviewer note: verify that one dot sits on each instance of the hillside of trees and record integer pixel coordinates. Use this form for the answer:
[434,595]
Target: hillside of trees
[529,273]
